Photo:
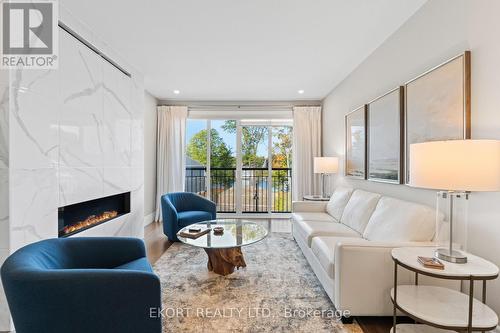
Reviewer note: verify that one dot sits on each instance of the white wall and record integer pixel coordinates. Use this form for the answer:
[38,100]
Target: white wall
[440,30]
[150,119]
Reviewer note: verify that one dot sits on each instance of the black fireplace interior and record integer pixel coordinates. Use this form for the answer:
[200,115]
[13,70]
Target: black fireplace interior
[84,215]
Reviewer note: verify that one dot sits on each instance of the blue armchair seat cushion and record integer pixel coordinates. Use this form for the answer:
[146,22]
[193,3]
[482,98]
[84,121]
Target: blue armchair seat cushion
[193,216]
[140,264]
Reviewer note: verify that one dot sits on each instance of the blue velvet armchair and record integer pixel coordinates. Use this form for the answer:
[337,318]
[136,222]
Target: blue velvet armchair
[98,284]
[180,209]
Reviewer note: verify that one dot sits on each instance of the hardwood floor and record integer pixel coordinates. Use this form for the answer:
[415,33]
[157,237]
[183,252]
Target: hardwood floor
[379,324]
[375,324]
[157,243]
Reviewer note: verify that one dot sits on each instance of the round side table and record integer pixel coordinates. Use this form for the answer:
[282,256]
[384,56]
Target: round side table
[439,308]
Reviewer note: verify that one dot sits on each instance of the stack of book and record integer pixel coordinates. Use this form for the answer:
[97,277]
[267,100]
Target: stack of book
[431,262]
[195,231]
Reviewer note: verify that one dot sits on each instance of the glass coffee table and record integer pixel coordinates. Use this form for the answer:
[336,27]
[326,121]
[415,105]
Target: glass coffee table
[224,250]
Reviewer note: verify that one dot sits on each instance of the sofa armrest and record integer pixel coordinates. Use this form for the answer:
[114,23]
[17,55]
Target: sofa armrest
[309,206]
[364,276]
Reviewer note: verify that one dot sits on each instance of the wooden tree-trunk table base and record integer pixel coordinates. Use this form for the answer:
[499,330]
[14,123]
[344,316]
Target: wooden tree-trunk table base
[223,261]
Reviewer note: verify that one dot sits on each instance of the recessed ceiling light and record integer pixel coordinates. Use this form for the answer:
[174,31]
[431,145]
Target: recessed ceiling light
[177,92]
[301,91]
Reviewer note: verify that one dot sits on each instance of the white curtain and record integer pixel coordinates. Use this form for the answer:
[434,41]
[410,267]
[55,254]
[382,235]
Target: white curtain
[306,146]
[170,152]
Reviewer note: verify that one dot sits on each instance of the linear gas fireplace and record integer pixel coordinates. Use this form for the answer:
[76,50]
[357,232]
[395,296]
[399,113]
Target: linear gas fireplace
[84,215]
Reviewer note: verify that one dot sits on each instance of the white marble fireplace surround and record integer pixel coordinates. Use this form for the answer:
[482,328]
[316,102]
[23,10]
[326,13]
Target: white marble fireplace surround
[66,136]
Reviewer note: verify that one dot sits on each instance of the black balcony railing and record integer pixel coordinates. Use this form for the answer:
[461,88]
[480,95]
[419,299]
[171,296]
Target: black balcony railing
[222,189]
[254,188]
[282,190]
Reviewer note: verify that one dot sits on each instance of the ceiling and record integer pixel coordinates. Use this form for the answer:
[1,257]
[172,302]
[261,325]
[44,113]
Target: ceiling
[261,50]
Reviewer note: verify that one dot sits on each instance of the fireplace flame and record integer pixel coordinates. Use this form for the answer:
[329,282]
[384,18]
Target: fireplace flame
[89,221]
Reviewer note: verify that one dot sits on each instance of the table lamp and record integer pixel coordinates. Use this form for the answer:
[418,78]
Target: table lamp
[455,167]
[324,166]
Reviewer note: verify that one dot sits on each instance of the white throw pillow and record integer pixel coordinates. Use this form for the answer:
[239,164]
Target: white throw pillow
[338,201]
[397,220]
[358,210]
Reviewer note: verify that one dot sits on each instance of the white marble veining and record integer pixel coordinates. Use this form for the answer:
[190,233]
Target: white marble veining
[34,121]
[4,209]
[443,306]
[116,180]
[5,323]
[81,101]
[41,81]
[132,228]
[137,201]
[80,71]
[4,76]
[118,85]
[137,128]
[115,134]
[79,184]
[4,123]
[117,118]
[475,265]
[34,117]
[80,138]
[33,202]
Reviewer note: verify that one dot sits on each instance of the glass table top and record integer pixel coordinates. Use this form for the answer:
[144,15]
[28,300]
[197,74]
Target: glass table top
[236,233]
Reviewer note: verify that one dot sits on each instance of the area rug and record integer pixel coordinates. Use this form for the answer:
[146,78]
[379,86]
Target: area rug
[276,292]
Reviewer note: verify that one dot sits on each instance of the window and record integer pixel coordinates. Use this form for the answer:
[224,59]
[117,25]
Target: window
[223,165]
[243,166]
[196,156]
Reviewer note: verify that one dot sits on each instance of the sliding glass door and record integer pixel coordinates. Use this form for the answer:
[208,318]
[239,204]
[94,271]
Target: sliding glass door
[243,166]
[255,170]
[196,157]
[222,166]
[282,168]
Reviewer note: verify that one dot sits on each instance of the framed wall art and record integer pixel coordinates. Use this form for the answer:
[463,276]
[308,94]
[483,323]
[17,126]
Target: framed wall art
[385,137]
[437,104]
[355,150]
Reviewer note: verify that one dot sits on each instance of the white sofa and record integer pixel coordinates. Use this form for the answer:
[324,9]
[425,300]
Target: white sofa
[348,242]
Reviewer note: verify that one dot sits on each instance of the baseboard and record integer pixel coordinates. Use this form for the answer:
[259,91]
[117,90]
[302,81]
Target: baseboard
[148,219]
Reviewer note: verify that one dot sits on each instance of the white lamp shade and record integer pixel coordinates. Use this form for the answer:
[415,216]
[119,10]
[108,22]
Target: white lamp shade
[326,164]
[456,165]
